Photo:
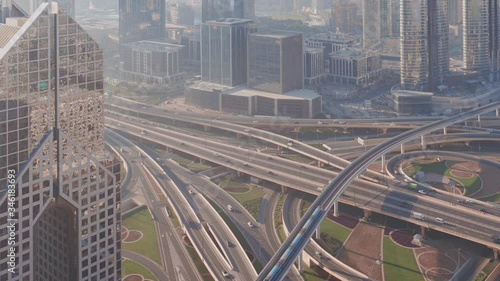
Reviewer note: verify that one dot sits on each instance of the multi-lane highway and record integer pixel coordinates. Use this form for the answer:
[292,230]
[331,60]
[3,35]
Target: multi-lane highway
[223,157]
[299,237]
[171,245]
[251,133]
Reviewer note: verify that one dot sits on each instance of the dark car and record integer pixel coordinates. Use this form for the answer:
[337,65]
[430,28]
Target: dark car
[484,211]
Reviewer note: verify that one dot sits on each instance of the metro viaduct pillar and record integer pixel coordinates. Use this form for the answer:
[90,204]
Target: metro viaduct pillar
[479,119]
[202,161]
[318,233]
[320,164]
[284,189]
[336,208]
[422,142]
[402,148]
[498,112]
[367,213]
[205,127]
[423,231]
[382,159]
[445,131]
[496,254]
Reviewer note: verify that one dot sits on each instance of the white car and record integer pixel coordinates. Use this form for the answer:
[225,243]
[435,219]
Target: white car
[439,220]
[190,192]
[421,191]
[230,208]
[250,224]
[225,274]
[247,130]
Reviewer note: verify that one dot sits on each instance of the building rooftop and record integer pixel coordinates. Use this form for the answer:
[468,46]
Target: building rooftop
[407,93]
[202,85]
[228,21]
[333,37]
[302,94]
[277,34]
[154,46]
[352,53]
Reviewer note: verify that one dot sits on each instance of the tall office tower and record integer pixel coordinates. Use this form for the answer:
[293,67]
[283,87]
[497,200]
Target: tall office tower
[424,44]
[454,12]
[181,13]
[345,17]
[389,18]
[275,61]
[243,9]
[371,22]
[141,20]
[481,35]
[66,199]
[224,51]
[215,9]
[476,37]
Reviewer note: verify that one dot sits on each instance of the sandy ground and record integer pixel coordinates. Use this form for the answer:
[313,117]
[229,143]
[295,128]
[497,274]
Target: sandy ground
[361,255]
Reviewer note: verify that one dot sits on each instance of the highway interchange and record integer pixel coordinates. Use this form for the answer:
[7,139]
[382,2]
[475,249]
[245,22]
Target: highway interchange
[379,197]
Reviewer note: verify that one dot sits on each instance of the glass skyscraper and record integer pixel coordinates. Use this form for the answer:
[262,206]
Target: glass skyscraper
[65,203]
[224,51]
[424,44]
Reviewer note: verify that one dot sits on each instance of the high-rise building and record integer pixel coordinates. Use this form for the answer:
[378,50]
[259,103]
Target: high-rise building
[275,61]
[481,22]
[224,51]
[215,9]
[181,13]
[424,44]
[389,18]
[380,20]
[455,12]
[65,202]
[371,22]
[141,20]
[243,9]
[346,17]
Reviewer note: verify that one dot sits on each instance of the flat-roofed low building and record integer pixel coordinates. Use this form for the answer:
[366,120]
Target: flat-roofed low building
[151,61]
[246,101]
[412,102]
[205,94]
[354,66]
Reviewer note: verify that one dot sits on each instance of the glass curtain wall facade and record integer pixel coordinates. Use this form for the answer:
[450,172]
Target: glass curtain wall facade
[275,61]
[141,20]
[224,51]
[424,44]
[476,35]
[67,191]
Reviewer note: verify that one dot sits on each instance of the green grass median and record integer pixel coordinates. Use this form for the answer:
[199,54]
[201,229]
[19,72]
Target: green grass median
[400,263]
[140,220]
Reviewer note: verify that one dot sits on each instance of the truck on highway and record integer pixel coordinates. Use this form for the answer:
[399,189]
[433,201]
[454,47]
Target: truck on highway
[412,185]
[418,216]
